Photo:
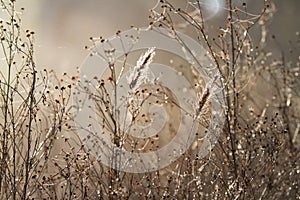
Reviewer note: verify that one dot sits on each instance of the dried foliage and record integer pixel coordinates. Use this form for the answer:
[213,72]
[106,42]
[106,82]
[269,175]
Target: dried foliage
[256,156]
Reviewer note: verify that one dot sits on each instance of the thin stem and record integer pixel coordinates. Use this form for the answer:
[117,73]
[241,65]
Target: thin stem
[235,94]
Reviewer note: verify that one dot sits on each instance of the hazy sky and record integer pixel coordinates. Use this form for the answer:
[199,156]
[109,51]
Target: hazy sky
[63,27]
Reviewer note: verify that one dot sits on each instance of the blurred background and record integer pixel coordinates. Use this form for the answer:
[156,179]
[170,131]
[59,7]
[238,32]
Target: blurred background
[63,27]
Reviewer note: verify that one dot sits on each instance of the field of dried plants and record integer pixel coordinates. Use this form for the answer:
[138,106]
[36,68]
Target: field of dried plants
[239,97]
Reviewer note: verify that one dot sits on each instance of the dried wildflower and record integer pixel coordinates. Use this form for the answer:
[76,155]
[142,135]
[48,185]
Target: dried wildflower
[110,78]
[74,78]
[141,73]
